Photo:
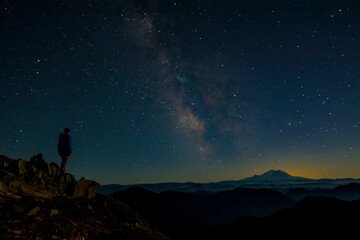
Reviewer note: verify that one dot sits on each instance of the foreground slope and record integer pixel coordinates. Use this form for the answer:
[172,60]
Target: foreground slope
[101,217]
[36,202]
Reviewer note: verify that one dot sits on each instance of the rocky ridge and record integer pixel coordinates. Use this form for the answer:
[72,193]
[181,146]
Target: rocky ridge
[39,179]
[37,202]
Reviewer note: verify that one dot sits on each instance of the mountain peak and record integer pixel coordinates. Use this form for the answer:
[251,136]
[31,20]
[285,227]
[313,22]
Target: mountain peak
[273,176]
[276,173]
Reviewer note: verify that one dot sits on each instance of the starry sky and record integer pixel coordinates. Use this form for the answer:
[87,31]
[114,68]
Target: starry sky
[174,91]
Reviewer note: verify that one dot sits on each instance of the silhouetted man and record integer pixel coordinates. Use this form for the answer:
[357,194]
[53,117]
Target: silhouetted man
[64,148]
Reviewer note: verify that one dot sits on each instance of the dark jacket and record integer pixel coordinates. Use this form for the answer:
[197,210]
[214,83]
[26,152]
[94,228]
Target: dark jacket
[64,144]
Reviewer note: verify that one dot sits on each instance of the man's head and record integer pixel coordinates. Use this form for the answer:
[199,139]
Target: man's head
[67,130]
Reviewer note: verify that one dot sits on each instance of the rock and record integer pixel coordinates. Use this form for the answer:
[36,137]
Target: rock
[18,209]
[86,188]
[54,212]
[16,232]
[54,168]
[54,165]
[33,211]
[79,237]
[3,161]
[40,179]
[16,167]
[38,160]
[39,174]
[38,219]
[6,178]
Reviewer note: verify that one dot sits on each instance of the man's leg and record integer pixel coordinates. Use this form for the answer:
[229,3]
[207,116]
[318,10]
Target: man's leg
[64,160]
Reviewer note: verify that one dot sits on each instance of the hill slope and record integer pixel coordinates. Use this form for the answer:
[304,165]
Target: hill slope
[176,212]
[311,218]
[36,202]
[226,206]
[346,192]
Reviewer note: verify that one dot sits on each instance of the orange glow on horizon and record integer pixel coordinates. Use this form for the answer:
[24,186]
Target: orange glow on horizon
[307,166]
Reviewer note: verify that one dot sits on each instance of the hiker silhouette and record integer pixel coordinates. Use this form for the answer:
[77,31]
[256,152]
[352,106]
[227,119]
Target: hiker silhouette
[64,148]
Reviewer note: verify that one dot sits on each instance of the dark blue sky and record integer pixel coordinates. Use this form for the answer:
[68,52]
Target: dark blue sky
[158,91]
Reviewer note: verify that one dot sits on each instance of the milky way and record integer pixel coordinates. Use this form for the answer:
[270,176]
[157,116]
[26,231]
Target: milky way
[158,91]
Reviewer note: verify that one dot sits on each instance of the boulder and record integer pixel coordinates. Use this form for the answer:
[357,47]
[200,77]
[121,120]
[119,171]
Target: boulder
[3,161]
[5,179]
[16,167]
[33,211]
[37,160]
[54,212]
[86,188]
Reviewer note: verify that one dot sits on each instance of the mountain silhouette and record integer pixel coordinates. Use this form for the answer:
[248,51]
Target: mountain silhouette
[164,213]
[173,212]
[274,176]
[224,207]
[347,192]
[311,218]
[272,179]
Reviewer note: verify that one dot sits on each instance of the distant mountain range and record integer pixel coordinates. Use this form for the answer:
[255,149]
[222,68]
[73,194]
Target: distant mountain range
[271,205]
[346,192]
[310,218]
[272,179]
[243,211]
[175,212]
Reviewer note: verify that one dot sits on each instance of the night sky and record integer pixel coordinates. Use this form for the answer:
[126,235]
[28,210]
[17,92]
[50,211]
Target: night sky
[163,91]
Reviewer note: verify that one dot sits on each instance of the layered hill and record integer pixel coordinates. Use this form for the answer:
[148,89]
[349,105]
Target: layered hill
[175,213]
[311,218]
[226,206]
[346,192]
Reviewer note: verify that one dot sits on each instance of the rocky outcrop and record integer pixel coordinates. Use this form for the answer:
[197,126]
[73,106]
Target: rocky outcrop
[101,217]
[37,178]
[37,202]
